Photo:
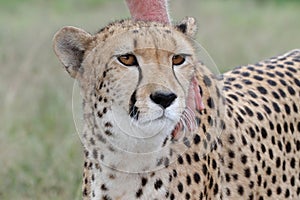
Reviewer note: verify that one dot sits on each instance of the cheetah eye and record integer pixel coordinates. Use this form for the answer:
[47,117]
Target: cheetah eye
[128,60]
[178,60]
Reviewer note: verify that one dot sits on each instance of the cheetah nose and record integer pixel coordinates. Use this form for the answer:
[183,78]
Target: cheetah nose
[163,99]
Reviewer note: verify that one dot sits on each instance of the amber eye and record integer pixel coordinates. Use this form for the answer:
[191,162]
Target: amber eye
[178,59]
[128,60]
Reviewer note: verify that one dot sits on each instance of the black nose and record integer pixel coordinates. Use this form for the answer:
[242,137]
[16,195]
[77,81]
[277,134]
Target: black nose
[163,99]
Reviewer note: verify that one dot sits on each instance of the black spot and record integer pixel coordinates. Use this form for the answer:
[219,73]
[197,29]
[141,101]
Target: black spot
[207,81]
[231,154]
[289,74]
[259,71]
[278,191]
[227,177]
[252,132]
[254,103]
[196,177]
[180,160]
[197,159]
[197,139]
[282,93]
[180,187]
[188,158]
[247,82]
[231,139]
[278,128]
[283,82]
[174,173]
[267,109]
[103,187]
[139,193]
[216,189]
[270,66]
[187,196]
[108,132]
[276,107]
[244,159]
[240,190]
[264,133]
[293,163]
[248,111]
[279,74]
[271,154]
[188,180]
[240,119]
[262,90]
[158,183]
[246,74]
[287,193]
[269,171]
[84,192]
[233,97]
[271,82]
[259,78]
[247,172]
[238,86]
[288,147]
[259,116]
[291,90]
[172,196]
[285,127]
[250,68]
[204,169]
[210,103]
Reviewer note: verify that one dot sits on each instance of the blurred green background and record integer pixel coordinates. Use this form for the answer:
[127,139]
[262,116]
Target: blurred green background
[40,152]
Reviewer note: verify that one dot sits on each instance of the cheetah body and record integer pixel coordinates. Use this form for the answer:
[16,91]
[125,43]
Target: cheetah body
[245,143]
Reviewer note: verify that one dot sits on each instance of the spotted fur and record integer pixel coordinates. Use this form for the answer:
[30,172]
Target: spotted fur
[246,144]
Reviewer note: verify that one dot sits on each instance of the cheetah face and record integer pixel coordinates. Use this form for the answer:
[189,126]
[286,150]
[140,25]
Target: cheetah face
[135,76]
[153,85]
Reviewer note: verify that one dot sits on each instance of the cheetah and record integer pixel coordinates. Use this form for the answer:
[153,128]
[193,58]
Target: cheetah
[158,124]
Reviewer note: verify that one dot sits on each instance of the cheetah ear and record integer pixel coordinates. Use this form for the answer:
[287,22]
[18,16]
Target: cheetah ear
[69,45]
[187,26]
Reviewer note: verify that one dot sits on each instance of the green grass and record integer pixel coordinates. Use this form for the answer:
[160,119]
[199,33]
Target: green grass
[40,152]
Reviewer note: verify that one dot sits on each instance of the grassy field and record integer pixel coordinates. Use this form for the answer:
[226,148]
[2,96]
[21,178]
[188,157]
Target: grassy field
[40,152]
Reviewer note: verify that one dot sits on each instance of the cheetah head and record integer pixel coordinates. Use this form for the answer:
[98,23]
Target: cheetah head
[136,78]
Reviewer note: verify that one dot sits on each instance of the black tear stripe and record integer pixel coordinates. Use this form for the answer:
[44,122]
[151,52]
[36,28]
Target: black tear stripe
[133,110]
[140,76]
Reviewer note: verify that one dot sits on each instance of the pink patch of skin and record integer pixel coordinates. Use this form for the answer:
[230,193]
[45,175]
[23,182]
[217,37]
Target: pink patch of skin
[149,10]
[194,103]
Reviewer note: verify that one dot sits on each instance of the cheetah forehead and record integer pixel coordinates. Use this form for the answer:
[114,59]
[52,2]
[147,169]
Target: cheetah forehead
[141,34]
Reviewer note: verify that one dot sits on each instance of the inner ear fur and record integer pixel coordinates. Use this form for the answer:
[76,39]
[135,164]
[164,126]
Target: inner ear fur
[188,26]
[70,44]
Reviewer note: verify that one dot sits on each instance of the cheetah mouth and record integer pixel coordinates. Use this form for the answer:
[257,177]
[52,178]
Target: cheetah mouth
[187,120]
